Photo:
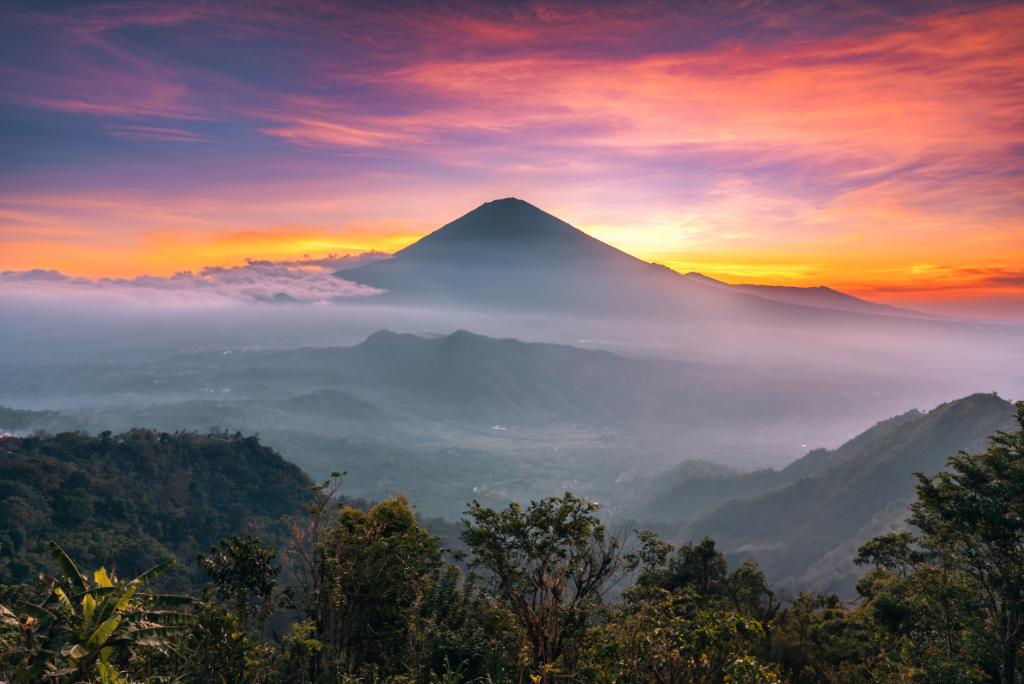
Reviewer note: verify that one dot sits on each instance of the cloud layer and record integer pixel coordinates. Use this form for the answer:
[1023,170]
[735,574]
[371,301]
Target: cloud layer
[303,282]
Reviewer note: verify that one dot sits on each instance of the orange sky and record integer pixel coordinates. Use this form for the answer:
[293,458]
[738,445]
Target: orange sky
[876,151]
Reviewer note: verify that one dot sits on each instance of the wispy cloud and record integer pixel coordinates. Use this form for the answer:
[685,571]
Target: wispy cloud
[156,134]
[311,132]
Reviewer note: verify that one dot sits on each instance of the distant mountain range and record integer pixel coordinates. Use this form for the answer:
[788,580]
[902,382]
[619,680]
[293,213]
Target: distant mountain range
[509,254]
[804,523]
[819,297]
[393,383]
[468,378]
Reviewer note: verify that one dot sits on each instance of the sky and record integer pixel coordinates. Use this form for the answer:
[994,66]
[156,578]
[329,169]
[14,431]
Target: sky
[876,147]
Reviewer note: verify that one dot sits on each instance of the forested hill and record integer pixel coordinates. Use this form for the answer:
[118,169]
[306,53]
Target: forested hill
[131,500]
[806,533]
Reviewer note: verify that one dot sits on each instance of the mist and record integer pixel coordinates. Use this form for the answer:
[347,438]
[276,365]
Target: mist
[194,352]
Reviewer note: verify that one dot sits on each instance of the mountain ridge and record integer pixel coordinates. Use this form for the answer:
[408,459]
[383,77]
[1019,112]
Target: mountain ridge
[817,521]
[818,296]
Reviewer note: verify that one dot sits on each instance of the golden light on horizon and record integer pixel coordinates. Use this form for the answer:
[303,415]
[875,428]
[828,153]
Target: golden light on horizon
[836,156]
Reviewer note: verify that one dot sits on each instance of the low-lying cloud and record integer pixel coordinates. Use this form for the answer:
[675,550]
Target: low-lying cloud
[305,281]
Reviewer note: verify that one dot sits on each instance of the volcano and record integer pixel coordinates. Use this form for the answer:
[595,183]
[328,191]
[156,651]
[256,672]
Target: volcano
[507,254]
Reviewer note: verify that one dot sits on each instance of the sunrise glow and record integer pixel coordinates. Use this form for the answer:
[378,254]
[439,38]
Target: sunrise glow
[873,149]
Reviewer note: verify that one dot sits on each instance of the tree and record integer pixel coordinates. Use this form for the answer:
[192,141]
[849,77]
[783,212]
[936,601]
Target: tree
[88,628]
[377,568]
[675,640]
[922,625]
[217,648]
[702,570]
[243,572]
[816,638]
[894,552]
[225,640]
[468,632]
[550,563]
[972,518]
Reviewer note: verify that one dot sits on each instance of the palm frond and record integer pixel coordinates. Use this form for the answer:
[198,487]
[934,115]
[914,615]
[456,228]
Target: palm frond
[155,571]
[71,571]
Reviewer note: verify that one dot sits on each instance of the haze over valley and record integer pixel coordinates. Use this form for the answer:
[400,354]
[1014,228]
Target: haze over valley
[505,356]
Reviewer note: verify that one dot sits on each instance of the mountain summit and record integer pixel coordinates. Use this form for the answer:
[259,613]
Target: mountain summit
[510,253]
[508,220]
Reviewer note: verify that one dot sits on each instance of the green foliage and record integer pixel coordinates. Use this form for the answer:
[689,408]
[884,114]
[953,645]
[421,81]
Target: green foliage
[701,570]
[971,519]
[219,649]
[226,639]
[243,573]
[924,626]
[86,629]
[468,632]
[942,605]
[816,638]
[675,639]
[132,500]
[948,604]
[376,574]
[894,552]
[550,564]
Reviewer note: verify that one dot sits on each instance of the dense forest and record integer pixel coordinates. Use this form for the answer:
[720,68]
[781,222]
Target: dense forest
[131,500]
[282,581]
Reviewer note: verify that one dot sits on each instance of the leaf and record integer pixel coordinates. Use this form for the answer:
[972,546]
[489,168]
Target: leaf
[98,592]
[123,602]
[168,617]
[68,566]
[101,578]
[104,631]
[76,652]
[162,600]
[88,610]
[63,598]
[155,571]
[110,607]
[36,611]
[7,617]
[155,637]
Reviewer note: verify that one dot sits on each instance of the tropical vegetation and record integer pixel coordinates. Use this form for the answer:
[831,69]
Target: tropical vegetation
[543,592]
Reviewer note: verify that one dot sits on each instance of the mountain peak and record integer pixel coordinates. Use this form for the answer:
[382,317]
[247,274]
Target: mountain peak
[507,220]
[508,201]
[509,252]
